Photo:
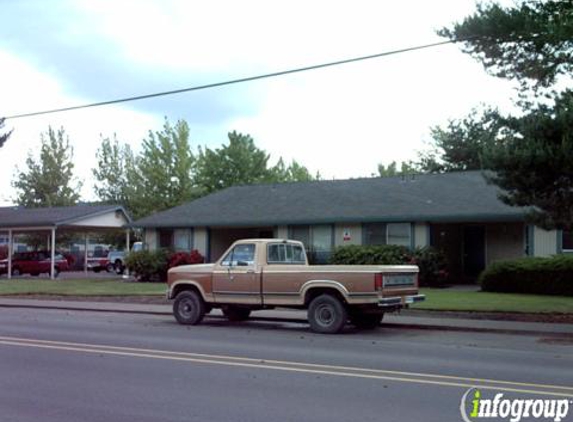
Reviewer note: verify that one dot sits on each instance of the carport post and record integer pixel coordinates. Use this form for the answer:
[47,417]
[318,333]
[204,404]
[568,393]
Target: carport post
[10,248]
[86,254]
[126,270]
[53,253]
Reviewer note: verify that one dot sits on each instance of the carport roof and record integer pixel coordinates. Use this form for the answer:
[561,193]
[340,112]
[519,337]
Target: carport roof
[450,197]
[21,217]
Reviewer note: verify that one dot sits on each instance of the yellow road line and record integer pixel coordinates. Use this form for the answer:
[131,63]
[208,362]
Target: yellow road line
[345,371]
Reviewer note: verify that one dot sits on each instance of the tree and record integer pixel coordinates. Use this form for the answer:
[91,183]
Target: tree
[295,172]
[531,42]
[238,163]
[162,176]
[534,164]
[3,137]
[459,146]
[49,180]
[391,169]
[111,174]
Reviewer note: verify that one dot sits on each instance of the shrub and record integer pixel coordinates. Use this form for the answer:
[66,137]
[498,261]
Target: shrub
[549,276]
[3,252]
[185,258]
[432,263]
[153,265]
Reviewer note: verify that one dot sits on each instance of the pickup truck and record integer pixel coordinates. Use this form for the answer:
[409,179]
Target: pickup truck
[257,274]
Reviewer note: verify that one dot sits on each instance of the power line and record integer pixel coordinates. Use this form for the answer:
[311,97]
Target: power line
[237,81]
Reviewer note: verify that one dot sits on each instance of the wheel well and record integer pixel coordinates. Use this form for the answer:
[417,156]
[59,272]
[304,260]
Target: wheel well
[317,291]
[185,287]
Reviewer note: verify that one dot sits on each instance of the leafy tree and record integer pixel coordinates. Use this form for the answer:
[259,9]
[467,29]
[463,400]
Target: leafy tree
[3,137]
[49,180]
[115,161]
[534,164]
[531,41]
[459,145]
[241,162]
[238,163]
[392,169]
[162,176]
[295,172]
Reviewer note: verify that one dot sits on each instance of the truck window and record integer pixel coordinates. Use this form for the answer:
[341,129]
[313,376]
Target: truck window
[285,253]
[240,255]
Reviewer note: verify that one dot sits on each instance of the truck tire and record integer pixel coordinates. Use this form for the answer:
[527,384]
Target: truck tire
[236,313]
[110,268]
[326,314]
[189,308]
[366,321]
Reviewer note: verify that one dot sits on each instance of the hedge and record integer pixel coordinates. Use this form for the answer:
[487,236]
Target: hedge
[432,263]
[546,276]
[153,265]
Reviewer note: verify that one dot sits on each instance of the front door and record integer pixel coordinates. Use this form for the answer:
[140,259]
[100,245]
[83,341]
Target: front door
[474,251]
[235,279]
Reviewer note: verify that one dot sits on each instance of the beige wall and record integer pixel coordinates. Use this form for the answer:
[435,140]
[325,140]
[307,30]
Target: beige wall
[200,240]
[544,242]
[281,232]
[504,241]
[109,219]
[353,230]
[421,235]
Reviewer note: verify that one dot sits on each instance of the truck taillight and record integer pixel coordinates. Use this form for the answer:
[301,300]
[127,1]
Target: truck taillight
[378,281]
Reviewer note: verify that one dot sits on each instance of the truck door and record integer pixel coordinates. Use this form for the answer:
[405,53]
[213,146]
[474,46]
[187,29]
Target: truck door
[236,279]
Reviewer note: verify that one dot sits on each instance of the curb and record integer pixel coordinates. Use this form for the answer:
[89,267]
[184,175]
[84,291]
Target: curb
[391,325]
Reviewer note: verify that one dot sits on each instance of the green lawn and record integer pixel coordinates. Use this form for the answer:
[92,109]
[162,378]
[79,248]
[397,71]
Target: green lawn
[89,287]
[453,300]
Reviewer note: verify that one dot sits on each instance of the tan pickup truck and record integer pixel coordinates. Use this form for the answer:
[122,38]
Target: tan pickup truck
[257,274]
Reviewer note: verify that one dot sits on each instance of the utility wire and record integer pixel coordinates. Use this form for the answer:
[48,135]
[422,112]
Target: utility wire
[237,81]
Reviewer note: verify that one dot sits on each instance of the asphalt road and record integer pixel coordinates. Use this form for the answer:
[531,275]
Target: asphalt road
[65,366]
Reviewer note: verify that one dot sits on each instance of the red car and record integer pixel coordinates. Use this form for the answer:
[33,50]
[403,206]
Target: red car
[34,263]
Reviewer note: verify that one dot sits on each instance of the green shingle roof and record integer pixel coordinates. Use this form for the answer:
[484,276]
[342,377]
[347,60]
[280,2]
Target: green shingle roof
[451,197]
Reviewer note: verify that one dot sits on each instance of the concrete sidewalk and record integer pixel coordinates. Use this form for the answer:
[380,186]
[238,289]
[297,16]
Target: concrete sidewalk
[299,316]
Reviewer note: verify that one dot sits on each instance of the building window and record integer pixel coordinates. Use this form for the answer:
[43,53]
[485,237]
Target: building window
[399,234]
[387,234]
[374,234]
[567,241]
[182,240]
[318,241]
[166,239]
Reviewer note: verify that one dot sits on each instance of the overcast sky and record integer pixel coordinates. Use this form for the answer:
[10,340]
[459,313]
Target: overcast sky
[339,121]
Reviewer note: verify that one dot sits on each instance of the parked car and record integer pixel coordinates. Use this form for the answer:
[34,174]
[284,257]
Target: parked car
[99,264]
[34,263]
[116,258]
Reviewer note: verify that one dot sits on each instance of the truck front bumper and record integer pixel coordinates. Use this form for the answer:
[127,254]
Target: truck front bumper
[397,302]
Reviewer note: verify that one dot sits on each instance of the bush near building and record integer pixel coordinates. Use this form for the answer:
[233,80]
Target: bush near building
[432,262]
[153,265]
[546,276]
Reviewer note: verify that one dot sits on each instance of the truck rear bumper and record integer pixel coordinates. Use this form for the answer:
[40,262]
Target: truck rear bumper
[397,302]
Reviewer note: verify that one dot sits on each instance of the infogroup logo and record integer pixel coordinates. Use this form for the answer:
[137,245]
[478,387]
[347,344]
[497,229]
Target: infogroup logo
[474,407]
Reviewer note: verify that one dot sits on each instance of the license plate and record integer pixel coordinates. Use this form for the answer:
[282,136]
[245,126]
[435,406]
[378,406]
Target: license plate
[391,280]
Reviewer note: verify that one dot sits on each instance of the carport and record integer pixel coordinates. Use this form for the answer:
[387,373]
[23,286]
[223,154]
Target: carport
[80,218]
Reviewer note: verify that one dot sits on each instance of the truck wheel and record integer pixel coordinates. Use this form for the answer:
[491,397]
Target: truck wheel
[326,314]
[366,321]
[188,308]
[110,268]
[235,313]
[16,272]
